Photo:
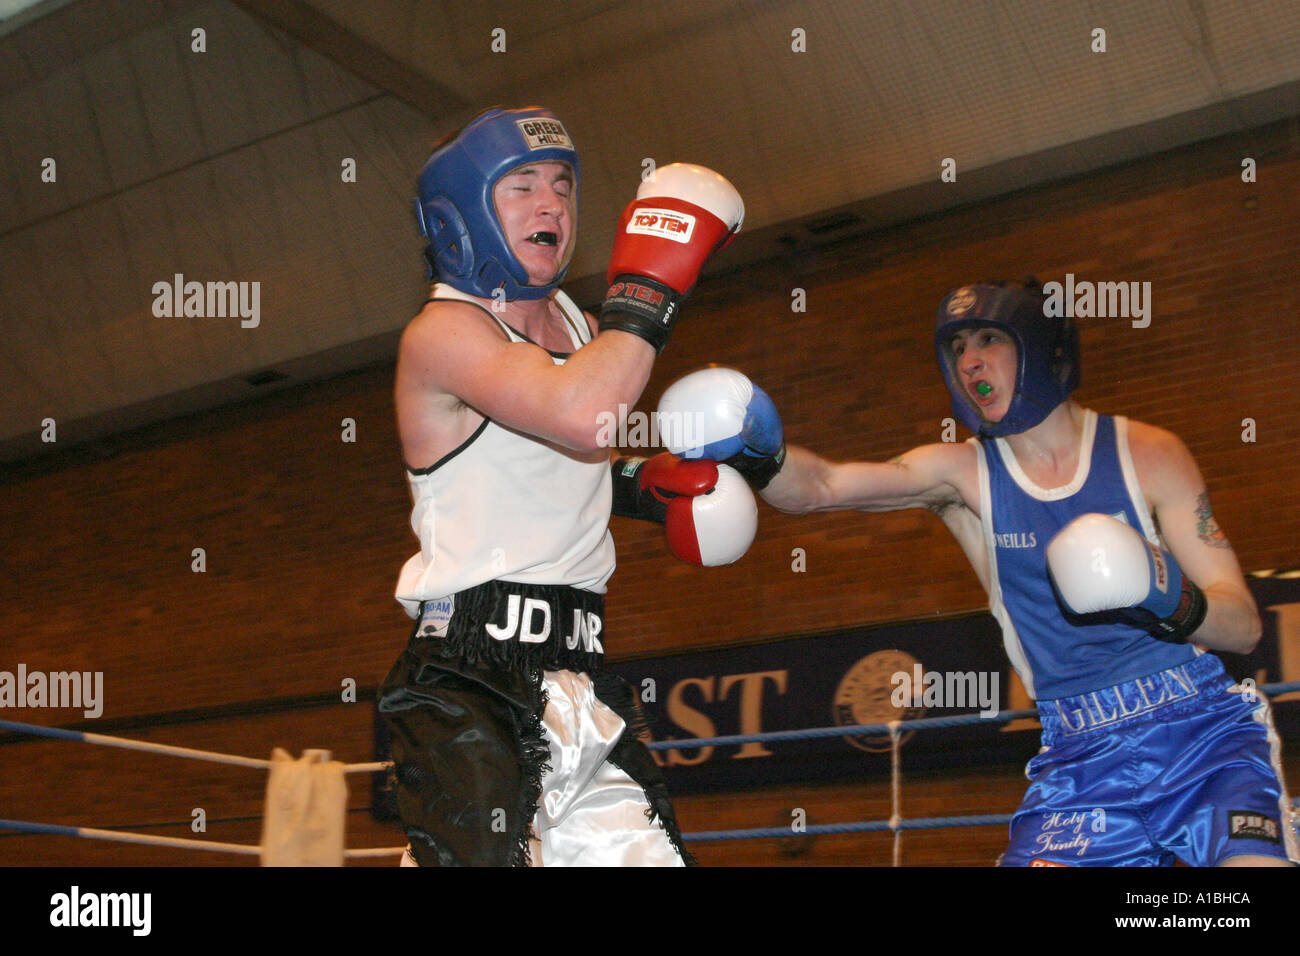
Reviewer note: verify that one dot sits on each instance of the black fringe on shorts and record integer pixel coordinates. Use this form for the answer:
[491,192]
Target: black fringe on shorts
[634,759]
[534,757]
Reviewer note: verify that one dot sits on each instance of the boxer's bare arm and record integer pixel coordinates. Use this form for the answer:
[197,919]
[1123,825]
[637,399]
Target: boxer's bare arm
[941,478]
[1180,504]
[453,356]
[937,477]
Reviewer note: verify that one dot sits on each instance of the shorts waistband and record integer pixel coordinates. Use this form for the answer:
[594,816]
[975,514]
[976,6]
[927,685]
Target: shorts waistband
[1130,700]
[552,625]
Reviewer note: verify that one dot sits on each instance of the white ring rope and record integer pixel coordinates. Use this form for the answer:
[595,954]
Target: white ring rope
[374,851]
[367,767]
[125,743]
[128,744]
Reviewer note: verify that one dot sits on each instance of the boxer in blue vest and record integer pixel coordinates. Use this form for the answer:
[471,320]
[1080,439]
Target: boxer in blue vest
[1103,562]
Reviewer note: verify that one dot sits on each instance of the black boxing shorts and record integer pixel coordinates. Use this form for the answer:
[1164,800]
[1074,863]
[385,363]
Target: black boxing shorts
[495,684]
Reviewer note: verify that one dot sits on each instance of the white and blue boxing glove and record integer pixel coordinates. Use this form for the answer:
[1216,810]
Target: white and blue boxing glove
[719,414]
[1099,564]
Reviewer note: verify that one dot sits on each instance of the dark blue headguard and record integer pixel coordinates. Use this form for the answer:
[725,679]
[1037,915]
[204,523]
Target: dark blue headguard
[1048,348]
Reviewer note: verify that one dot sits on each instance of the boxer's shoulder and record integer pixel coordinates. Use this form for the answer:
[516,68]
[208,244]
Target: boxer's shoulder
[1150,438]
[951,465]
[942,476]
[447,340]
[1161,459]
[439,317]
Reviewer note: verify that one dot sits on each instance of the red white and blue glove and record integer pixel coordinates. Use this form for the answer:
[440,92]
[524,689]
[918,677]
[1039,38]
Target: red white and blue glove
[681,216]
[709,515]
[1101,566]
[719,414]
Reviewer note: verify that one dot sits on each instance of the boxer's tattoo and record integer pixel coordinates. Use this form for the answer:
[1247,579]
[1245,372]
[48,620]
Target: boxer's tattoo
[1206,527]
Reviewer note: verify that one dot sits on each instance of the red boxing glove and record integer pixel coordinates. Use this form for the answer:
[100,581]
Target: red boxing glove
[708,511]
[666,477]
[680,217]
[644,488]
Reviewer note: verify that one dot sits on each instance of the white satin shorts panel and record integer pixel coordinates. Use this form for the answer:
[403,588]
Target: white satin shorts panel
[591,813]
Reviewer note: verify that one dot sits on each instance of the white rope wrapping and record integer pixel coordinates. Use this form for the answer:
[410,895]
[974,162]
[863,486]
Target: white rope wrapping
[374,851]
[896,788]
[119,836]
[127,744]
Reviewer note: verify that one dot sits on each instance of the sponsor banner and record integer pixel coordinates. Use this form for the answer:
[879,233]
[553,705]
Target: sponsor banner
[931,668]
[862,676]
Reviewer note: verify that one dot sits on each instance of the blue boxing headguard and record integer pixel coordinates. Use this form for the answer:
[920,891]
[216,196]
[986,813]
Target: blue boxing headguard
[467,248]
[1048,349]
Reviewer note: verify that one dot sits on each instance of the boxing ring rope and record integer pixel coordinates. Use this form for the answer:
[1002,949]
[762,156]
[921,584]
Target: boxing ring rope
[90,833]
[128,744]
[180,843]
[169,750]
[869,826]
[895,824]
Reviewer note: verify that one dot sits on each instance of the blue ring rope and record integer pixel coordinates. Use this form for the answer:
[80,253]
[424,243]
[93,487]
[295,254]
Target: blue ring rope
[858,730]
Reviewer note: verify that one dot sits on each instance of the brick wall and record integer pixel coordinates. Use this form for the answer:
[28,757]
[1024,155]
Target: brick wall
[303,533]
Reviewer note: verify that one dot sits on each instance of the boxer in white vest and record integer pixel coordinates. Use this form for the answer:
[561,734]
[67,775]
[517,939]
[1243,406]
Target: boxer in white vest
[510,745]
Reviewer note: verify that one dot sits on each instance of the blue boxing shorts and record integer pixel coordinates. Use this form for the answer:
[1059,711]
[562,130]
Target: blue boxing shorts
[1178,764]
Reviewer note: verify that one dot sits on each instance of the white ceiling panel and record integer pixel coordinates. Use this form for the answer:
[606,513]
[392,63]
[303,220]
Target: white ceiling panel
[226,165]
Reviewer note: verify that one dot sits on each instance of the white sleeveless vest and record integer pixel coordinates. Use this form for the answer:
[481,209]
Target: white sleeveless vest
[509,506]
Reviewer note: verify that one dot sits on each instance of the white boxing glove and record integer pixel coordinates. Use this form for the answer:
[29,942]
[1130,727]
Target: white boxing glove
[1099,564]
[722,523]
[719,414]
